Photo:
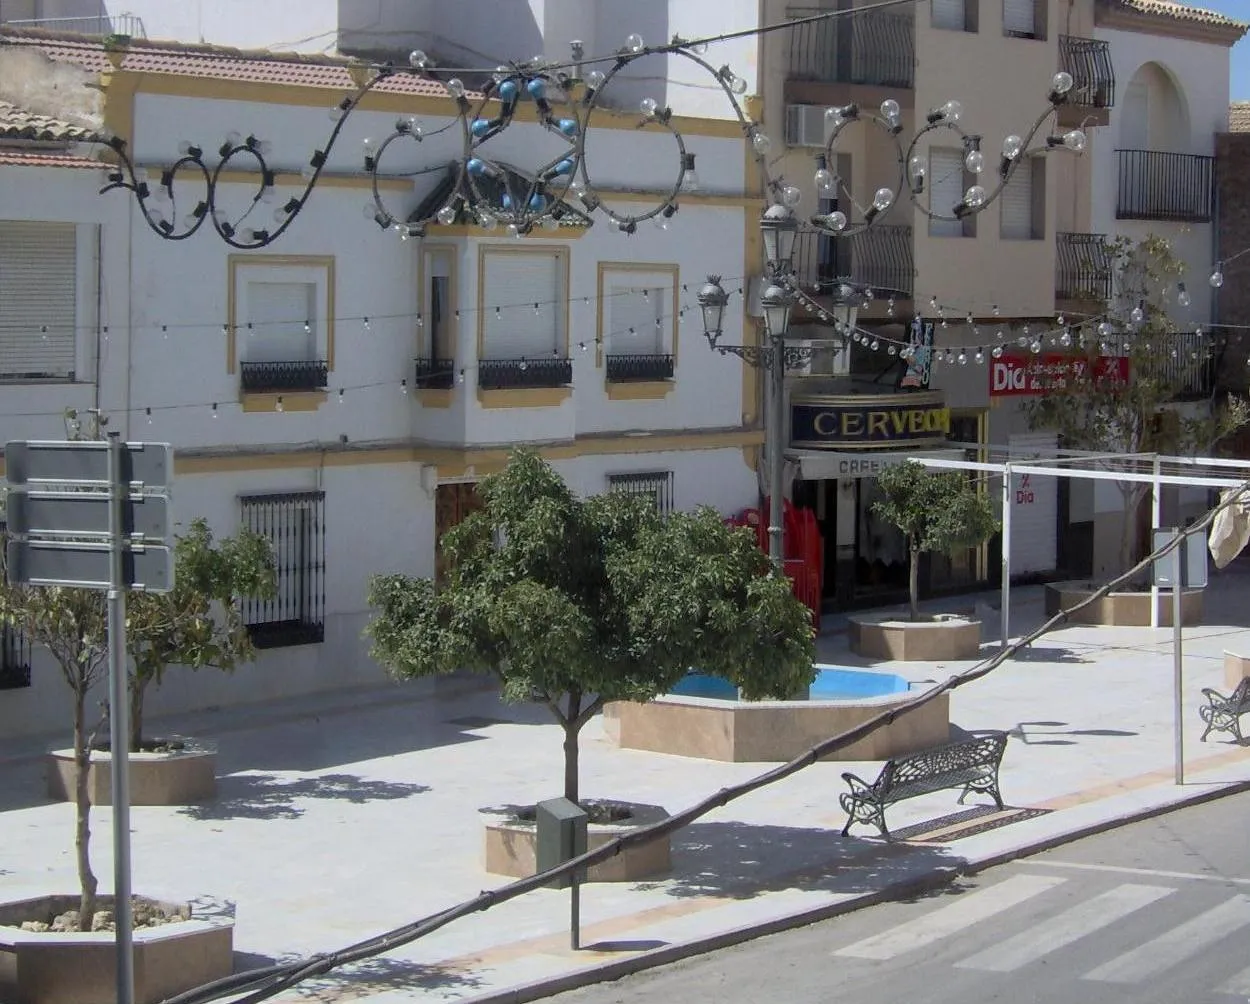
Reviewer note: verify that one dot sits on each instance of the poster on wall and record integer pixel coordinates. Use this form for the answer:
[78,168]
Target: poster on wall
[920,358]
[1034,508]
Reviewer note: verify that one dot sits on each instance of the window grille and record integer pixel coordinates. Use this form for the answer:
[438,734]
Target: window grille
[294,524]
[657,485]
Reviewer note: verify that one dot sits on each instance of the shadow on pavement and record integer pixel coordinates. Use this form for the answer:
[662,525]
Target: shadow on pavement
[263,796]
[23,786]
[377,976]
[1065,656]
[1024,731]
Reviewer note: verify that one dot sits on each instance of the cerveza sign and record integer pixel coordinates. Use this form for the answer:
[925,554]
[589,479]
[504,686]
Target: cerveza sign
[840,423]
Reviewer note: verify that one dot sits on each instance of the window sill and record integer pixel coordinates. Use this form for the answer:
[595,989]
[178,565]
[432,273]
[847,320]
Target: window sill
[435,397]
[640,390]
[295,400]
[524,397]
[1028,36]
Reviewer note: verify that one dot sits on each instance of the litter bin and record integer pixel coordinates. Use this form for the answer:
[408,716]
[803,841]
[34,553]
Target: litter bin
[561,835]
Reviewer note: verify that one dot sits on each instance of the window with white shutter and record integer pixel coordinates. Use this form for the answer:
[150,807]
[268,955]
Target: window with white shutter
[637,332]
[282,322]
[635,313]
[38,300]
[946,190]
[523,300]
[1018,217]
[1020,19]
[950,14]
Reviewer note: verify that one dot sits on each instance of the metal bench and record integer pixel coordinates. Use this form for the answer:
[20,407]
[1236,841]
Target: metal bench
[1223,714]
[971,765]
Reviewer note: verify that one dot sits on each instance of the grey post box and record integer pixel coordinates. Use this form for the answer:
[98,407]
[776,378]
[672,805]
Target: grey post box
[561,834]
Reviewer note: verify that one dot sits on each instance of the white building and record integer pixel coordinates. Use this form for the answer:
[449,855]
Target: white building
[285,378]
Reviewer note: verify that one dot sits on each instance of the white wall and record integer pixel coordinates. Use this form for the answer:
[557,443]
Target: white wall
[286,25]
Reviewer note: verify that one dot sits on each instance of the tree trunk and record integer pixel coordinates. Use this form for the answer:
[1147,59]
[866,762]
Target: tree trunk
[138,690]
[572,727]
[913,582]
[82,808]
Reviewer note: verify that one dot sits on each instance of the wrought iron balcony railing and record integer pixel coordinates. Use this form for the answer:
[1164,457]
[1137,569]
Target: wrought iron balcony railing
[1176,187]
[130,25]
[877,48]
[512,374]
[1093,75]
[1184,362]
[1083,267]
[292,375]
[435,374]
[881,257]
[637,367]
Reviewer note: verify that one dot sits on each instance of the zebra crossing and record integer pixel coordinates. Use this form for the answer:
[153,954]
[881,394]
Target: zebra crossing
[987,910]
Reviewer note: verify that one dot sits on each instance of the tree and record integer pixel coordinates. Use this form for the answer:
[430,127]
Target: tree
[72,624]
[198,624]
[1095,407]
[935,512]
[577,602]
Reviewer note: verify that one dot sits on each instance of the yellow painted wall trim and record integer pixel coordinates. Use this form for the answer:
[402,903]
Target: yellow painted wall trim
[297,400]
[524,397]
[455,462]
[642,390]
[119,107]
[437,231]
[436,397]
[692,198]
[292,179]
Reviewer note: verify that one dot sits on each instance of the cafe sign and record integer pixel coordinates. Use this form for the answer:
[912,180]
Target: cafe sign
[857,421]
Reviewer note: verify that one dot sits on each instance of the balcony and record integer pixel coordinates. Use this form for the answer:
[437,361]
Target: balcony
[435,374]
[880,257]
[279,377]
[872,49]
[1083,267]
[637,367]
[1172,187]
[1183,362]
[516,374]
[103,25]
[1088,60]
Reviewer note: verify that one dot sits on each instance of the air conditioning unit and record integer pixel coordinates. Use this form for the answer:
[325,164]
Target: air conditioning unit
[805,126]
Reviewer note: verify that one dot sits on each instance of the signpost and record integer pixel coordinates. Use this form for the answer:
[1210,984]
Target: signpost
[95,515]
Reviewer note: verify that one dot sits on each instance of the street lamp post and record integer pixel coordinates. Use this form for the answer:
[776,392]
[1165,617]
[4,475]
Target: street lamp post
[776,303]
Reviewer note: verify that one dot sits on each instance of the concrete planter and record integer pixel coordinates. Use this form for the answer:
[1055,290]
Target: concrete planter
[180,777]
[1236,669]
[512,845]
[1121,609]
[772,731]
[940,638]
[72,968]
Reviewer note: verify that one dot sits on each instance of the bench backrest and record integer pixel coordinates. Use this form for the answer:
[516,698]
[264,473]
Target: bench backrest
[1241,696]
[986,750]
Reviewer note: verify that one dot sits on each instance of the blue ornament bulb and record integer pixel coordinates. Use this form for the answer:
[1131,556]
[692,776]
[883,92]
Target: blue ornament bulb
[564,167]
[506,201]
[479,127]
[537,88]
[475,166]
[507,90]
[568,126]
[537,203]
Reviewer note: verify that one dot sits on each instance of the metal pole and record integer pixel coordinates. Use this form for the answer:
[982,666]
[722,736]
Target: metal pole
[1156,519]
[575,914]
[1005,603]
[119,728]
[1177,628]
[776,453]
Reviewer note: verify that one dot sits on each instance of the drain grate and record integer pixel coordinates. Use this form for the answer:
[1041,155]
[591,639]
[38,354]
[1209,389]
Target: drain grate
[968,823]
[476,721]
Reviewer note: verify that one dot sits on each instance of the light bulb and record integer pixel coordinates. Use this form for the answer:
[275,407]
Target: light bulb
[974,162]
[308,327]
[952,111]
[1013,146]
[455,87]
[634,43]
[963,358]
[825,181]
[998,352]
[648,106]
[737,84]
[836,220]
[214,409]
[233,139]
[1036,347]
[595,79]
[761,143]
[1105,330]
[918,168]
[1182,295]
[974,198]
[791,196]
[447,215]
[882,200]
[1217,278]
[307,172]
[418,60]
[278,406]
[1074,140]
[980,356]
[1061,82]
[1137,315]
[891,111]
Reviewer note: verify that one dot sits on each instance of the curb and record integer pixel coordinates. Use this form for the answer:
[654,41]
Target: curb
[657,957]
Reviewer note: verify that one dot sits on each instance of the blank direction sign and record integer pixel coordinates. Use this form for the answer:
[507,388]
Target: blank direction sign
[48,513]
[86,463]
[86,566]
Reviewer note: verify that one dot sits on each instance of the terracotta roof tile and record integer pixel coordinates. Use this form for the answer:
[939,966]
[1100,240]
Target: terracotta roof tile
[30,158]
[213,61]
[1182,12]
[16,123]
[1239,116]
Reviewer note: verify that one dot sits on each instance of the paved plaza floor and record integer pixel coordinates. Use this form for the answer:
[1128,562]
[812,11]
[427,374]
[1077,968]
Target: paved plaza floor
[345,815]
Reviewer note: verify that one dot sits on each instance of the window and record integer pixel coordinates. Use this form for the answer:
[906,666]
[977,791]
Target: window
[655,485]
[637,321]
[948,180]
[955,15]
[14,648]
[294,524]
[436,331]
[38,300]
[523,296]
[1024,18]
[282,322]
[1024,203]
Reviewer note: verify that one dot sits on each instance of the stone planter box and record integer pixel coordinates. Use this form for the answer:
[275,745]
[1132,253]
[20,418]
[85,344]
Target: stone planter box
[772,731]
[941,638]
[512,846]
[1236,669]
[182,777]
[1121,609]
[48,968]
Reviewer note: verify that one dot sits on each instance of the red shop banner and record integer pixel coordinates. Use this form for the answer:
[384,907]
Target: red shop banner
[1017,375]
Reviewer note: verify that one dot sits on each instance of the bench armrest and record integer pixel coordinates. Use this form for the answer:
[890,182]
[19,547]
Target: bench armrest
[1214,697]
[858,785]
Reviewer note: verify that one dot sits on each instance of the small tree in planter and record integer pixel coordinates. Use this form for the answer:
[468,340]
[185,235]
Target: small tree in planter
[198,623]
[935,512]
[577,602]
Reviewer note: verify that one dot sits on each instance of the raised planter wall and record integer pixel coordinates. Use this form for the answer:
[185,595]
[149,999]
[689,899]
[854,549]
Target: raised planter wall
[184,777]
[946,638]
[1236,669]
[1121,609]
[772,731]
[46,968]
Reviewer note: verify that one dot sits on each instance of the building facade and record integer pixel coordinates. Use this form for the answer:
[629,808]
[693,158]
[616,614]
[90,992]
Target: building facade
[342,389]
